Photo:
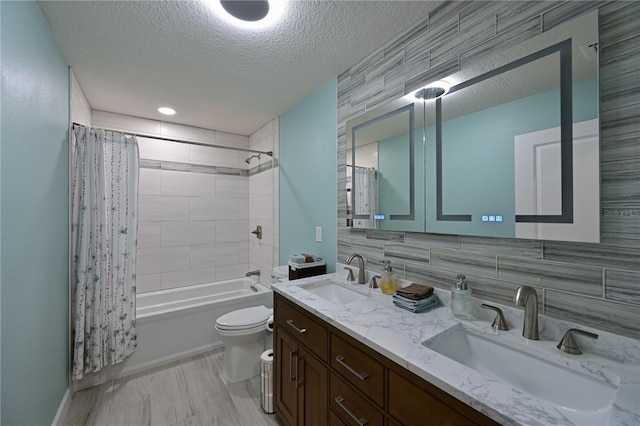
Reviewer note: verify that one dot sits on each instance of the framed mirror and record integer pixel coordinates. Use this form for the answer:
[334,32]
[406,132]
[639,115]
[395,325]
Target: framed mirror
[512,149]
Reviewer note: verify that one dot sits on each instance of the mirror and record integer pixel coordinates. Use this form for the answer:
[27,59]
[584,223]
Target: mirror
[512,150]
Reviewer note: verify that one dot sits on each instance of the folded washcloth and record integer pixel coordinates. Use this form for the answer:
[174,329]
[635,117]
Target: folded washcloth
[410,302]
[415,291]
[418,308]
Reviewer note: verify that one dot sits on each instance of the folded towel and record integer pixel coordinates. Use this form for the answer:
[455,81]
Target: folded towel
[297,258]
[418,308]
[410,302]
[310,258]
[415,291]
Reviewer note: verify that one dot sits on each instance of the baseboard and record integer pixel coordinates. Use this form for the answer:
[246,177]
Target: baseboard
[62,409]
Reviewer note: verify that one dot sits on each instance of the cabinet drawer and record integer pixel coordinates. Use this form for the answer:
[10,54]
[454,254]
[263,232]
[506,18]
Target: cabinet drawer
[334,420]
[358,368]
[304,328]
[352,408]
[412,406]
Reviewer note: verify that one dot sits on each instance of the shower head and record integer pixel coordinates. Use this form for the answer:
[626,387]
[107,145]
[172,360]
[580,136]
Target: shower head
[248,160]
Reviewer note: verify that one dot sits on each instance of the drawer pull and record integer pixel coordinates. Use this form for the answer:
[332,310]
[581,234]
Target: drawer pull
[361,376]
[299,330]
[291,376]
[363,421]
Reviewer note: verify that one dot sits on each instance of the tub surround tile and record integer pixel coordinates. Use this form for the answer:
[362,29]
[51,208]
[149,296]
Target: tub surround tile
[210,208]
[188,184]
[155,149]
[154,208]
[149,182]
[163,259]
[149,234]
[205,256]
[232,231]
[187,233]
[228,272]
[232,187]
[148,282]
[216,157]
[187,278]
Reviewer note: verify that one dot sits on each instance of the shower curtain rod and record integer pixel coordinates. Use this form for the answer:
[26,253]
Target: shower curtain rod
[233,148]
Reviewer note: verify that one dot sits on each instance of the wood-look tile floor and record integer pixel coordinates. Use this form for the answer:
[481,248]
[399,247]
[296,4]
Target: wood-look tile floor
[189,392]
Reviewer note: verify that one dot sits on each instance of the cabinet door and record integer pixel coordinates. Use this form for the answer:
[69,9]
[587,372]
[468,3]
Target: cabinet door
[286,390]
[312,390]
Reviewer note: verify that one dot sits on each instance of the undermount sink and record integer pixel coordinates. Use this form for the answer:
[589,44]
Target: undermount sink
[584,399]
[335,293]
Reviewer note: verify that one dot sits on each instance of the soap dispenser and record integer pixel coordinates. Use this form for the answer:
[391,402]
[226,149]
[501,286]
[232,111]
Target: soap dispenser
[388,281]
[461,299]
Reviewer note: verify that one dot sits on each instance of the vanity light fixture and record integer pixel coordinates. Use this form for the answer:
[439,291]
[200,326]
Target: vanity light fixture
[249,14]
[431,91]
[166,111]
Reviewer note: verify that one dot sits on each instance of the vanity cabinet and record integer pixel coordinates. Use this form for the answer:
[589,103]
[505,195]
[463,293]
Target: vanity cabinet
[301,378]
[324,376]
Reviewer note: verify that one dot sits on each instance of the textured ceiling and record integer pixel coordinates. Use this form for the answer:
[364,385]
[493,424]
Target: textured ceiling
[132,57]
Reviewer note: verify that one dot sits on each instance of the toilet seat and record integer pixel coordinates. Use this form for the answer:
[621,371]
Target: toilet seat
[244,319]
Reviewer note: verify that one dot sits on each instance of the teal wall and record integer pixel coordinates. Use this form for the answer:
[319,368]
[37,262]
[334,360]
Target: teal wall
[308,176]
[478,166]
[34,231]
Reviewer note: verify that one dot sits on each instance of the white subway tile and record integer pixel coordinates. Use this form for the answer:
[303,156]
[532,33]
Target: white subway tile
[187,233]
[180,131]
[155,149]
[124,123]
[230,139]
[232,271]
[216,156]
[209,208]
[148,234]
[232,231]
[153,208]
[187,278]
[243,208]
[261,208]
[188,184]
[147,283]
[207,256]
[232,186]
[261,184]
[162,259]
[149,182]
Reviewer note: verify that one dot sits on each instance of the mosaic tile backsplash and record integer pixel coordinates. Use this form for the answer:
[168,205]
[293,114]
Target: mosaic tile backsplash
[594,284]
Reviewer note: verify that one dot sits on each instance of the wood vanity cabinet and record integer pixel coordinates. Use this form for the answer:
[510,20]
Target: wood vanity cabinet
[325,377]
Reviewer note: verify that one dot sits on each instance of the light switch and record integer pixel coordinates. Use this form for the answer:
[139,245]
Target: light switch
[319,234]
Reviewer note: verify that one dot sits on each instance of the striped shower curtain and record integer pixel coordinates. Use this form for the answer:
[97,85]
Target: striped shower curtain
[103,231]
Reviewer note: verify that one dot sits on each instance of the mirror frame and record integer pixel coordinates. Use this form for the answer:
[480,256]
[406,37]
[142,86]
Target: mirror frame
[412,196]
[566,134]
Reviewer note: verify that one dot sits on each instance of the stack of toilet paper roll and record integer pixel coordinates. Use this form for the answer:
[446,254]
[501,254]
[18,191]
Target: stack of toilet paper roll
[266,380]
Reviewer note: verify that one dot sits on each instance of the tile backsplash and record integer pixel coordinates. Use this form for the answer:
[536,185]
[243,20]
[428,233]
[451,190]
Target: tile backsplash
[593,284]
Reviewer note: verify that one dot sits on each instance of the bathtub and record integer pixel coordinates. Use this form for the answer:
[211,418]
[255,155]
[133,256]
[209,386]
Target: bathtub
[178,323]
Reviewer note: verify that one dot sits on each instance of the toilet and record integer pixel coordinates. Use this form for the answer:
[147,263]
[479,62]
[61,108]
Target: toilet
[244,335]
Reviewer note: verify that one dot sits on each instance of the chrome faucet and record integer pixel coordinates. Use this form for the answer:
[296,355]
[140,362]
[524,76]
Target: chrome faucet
[526,296]
[361,277]
[250,273]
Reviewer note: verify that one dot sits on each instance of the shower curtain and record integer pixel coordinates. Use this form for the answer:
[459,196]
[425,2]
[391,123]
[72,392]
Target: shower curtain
[366,196]
[103,232]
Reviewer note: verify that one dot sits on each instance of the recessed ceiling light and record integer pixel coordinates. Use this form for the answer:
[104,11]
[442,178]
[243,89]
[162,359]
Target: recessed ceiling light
[166,111]
[249,14]
[432,91]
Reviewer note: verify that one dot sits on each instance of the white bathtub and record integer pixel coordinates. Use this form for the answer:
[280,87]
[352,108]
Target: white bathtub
[178,323]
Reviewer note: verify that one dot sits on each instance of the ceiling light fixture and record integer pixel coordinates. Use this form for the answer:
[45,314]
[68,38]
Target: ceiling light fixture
[167,111]
[249,14]
[431,91]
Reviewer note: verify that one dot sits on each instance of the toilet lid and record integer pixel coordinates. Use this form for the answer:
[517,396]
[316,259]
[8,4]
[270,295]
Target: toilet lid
[244,318]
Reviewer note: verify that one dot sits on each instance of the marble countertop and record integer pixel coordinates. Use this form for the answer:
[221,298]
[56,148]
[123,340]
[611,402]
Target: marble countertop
[399,334]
